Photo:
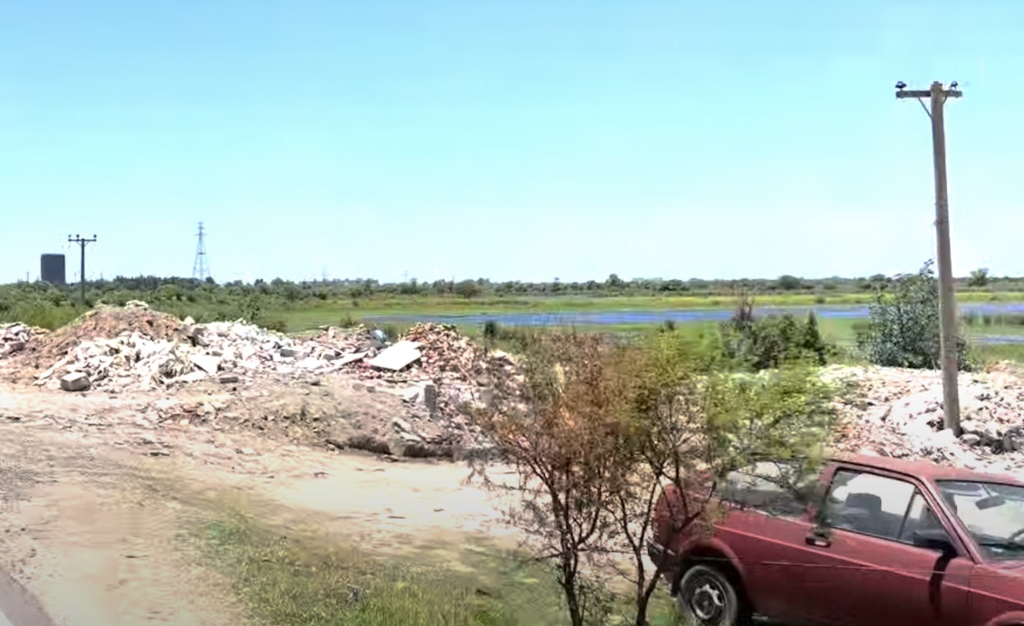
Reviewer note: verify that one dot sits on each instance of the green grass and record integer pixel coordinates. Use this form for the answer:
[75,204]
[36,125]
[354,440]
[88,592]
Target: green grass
[299,581]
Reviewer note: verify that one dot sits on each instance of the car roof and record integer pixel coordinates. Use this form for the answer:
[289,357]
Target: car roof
[926,470]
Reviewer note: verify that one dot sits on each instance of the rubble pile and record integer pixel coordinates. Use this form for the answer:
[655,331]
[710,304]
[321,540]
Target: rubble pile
[107,323]
[227,351]
[898,412]
[437,356]
[135,348]
[447,351]
[15,337]
[435,371]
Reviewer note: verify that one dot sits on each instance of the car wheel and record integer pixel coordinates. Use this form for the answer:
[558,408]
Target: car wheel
[707,597]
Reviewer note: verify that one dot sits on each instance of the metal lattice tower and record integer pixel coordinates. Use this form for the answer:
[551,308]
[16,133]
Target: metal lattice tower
[200,267]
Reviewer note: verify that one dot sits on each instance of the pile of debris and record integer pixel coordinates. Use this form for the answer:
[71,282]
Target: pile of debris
[134,348]
[189,352]
[15,337]
[898,412]
[443,368]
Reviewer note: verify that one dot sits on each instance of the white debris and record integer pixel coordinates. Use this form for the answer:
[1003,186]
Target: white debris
[398,356]
[899,413]
[205,362]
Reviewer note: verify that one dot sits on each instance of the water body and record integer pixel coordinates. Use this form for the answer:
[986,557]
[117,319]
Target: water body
[682,316]
[620,317]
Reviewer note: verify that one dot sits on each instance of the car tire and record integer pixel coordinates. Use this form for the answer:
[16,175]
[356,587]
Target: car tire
[707,597]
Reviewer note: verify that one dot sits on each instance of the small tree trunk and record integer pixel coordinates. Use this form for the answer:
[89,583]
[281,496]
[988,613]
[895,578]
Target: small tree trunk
[643,598]
[572,599]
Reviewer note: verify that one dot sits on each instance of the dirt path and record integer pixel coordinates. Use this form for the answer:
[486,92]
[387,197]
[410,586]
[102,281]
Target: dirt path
[95,505]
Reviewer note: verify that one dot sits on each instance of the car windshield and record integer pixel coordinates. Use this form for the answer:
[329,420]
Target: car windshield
[993,514]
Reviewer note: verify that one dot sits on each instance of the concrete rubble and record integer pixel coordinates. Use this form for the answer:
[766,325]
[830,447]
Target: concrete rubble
[434,370]
[898,413]
[14,338]
[229,351]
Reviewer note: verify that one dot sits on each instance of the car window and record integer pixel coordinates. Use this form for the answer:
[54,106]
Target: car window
[920,517]
[774,488]
[993,514]
[870,504]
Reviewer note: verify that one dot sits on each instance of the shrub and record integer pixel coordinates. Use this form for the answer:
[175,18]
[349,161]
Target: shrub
[515,339]
[39,313]
[348,321]
[274,322]
[903,327]
[772,341]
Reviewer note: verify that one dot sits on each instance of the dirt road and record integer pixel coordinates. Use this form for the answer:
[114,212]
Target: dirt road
[96,507]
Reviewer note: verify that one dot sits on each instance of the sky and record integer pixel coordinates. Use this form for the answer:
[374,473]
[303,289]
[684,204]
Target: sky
[526,140]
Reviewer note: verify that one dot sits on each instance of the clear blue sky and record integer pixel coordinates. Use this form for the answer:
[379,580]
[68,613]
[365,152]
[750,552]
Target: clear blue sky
[512,140]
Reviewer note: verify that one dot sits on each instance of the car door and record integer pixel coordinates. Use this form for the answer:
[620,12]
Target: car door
[873,573]
[766,528]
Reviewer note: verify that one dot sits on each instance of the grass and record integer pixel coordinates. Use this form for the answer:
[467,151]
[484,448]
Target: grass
[300,581]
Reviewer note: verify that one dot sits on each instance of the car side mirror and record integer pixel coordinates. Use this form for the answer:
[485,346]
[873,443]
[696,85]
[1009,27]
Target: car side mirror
[934,539]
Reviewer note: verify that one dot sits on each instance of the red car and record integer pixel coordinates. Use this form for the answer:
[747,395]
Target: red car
[892,543]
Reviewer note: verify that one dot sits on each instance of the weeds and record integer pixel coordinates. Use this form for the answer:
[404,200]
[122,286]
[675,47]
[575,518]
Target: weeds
[285,582]
[299,581]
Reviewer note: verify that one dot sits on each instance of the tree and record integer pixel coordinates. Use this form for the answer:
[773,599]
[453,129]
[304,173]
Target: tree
[688,425]
[595,431]
[467,288]
[813,343]
[903,328]
[787,282]
[979,278]
[556,427]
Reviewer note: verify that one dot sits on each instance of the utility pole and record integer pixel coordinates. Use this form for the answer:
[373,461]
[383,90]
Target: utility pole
[947,295]
[82,242]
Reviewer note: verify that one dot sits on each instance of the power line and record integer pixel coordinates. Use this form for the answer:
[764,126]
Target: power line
[947,296]
[200,267]
[82,242]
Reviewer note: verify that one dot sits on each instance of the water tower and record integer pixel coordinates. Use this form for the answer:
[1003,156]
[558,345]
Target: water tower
[52,269]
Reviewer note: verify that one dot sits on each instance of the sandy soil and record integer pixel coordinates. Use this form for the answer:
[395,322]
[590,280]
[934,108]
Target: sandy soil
[94,500]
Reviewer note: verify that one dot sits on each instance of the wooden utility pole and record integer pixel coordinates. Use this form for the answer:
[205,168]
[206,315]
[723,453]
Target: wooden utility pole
[82,242]
[947,295]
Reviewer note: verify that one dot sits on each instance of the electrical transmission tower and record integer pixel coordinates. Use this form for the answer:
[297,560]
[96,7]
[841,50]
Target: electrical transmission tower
[200,267]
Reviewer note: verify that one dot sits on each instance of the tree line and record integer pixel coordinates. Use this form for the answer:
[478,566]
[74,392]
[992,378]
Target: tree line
[295,291]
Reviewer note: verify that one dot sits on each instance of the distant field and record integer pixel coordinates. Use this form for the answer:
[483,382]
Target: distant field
[309,316]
